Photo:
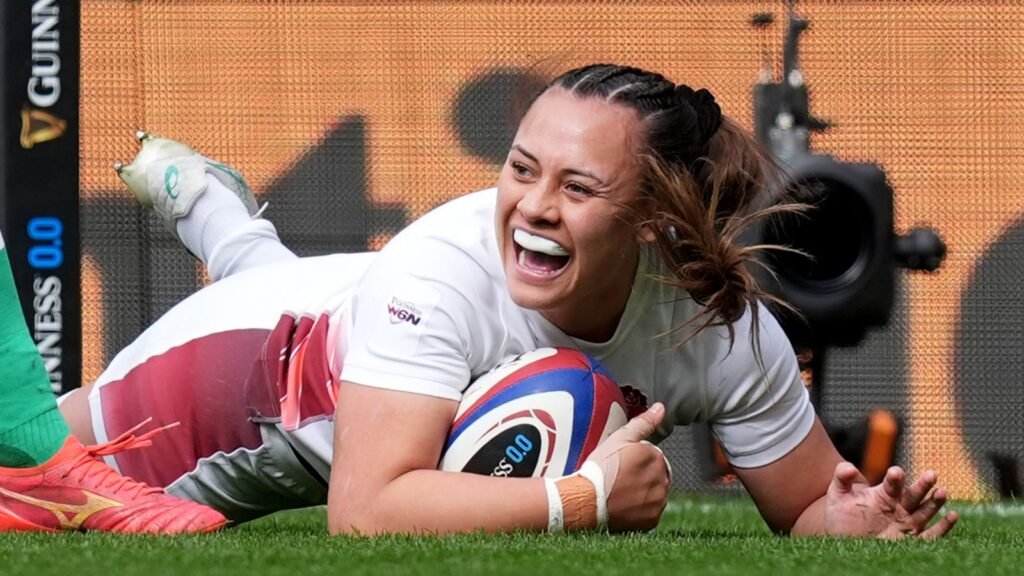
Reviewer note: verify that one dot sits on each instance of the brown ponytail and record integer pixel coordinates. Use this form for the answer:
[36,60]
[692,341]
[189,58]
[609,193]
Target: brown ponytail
[698,218]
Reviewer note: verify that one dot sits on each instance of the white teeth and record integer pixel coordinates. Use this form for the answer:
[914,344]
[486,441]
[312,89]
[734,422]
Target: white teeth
[537,244]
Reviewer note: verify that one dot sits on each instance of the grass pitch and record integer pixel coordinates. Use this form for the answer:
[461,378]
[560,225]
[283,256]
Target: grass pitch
[696,536]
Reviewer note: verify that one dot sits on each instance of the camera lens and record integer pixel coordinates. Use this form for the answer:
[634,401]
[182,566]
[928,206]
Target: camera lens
[834,236]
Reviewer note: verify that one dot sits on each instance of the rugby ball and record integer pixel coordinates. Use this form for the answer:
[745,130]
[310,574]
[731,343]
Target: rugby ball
[539,414]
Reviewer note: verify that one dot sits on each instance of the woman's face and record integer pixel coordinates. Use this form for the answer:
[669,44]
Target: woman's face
[567,244]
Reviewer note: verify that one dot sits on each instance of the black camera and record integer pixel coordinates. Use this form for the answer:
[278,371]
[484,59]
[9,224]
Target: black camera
[839,276]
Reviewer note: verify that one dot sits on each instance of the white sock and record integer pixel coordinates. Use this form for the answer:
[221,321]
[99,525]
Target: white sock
[254,244]
[217,213]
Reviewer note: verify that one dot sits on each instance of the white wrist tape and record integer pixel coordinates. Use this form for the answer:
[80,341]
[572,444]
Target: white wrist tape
[556,516]
[591,471]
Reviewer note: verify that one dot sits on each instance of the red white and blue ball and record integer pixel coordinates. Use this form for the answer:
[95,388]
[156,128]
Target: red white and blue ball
[540,414]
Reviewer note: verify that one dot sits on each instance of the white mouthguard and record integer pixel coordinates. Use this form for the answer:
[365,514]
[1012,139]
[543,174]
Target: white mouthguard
[538,244]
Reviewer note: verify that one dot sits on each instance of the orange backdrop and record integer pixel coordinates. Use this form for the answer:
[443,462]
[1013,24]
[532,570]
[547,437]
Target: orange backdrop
[931,90]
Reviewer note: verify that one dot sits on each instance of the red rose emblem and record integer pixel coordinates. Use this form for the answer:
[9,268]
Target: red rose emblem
[636,402]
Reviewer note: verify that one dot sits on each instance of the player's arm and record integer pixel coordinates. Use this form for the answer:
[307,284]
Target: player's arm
[416,340]
[789,492]
[812,490]
[387,445]
[788,464]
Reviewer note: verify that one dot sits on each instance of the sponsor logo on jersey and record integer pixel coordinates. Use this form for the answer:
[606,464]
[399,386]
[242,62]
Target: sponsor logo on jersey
[400,311]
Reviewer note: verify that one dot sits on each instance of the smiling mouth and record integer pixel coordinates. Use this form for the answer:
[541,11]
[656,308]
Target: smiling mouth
[539,255]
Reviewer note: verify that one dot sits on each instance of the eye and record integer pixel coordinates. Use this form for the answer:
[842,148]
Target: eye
[579,189]
[520,169]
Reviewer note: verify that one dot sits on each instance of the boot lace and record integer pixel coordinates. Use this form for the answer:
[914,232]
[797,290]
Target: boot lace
[92,470]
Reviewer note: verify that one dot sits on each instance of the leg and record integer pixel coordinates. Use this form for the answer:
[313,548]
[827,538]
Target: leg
[31,428]
[74,407]
[43,467]
[213,365]
[212,451]
[230,246]
[207,203]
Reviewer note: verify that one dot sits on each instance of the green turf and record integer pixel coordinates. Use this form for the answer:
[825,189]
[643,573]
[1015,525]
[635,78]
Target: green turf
[696,536]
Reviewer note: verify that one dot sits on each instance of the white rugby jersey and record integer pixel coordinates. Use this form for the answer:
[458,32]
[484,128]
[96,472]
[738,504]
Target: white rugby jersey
[433,312]
[430,313]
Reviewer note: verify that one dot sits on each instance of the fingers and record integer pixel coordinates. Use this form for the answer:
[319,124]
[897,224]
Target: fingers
[843,478]
[915,494]
[641,426]
[640,492]
[942,527]
[894,482]
[923,514]
[668,464]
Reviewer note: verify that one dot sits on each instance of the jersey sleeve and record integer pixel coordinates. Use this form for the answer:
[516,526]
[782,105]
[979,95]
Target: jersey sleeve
[410,325]
[757,416]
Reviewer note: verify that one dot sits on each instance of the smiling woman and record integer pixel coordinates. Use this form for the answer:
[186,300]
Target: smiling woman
[613,224]
[566,188]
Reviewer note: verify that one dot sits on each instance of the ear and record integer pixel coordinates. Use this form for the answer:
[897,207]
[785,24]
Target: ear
[646,234]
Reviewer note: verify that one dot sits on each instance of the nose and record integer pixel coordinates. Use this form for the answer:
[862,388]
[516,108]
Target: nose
[539,205]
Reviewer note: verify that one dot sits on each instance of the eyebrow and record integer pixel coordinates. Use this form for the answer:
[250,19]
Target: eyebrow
[532,158]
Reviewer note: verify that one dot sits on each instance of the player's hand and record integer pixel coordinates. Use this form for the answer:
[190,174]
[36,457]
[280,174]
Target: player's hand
[888,510]
[636,473]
